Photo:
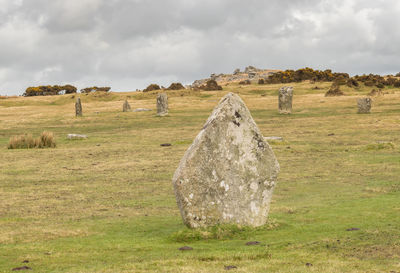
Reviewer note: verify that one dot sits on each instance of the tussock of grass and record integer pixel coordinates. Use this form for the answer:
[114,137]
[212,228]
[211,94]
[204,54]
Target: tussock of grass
[219,232]
[22,142]
[278,142]
[183,142]
[380,146]
[45,140]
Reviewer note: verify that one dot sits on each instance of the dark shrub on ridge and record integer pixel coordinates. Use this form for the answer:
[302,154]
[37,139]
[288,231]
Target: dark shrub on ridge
[176,86]
[152,87]
[211,85]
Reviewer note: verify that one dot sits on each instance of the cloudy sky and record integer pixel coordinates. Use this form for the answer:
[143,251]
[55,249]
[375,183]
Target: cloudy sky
[127,44]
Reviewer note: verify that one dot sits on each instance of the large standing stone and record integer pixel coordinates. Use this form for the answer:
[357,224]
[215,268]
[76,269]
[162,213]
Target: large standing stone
[126,107]
[364,105]
[78,107]
[285,100]
[229,172]
[162,104]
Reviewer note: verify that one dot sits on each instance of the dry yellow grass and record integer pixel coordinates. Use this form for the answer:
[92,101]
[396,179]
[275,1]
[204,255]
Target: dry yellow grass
[26,141]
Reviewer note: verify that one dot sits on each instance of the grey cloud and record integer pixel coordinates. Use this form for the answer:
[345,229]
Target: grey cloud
[129,43]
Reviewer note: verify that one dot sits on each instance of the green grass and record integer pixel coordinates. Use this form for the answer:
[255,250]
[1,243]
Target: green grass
[106,204]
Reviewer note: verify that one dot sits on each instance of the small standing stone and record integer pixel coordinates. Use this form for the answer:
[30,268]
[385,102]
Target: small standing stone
[78,107]
[285,100]
[126,107]
[364,105]
[229,172]
[162,104]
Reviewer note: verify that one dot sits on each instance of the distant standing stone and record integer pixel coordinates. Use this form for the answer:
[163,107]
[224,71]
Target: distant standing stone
[285,100]
[229,172]
[126,107]
[162,104]
[78,107]
[364,105]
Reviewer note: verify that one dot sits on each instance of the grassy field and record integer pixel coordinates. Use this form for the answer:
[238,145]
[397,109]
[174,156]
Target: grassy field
[106,204]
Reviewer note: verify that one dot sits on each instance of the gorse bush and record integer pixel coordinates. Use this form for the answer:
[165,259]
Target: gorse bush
[352,83]
[377,80]
[369,83]
[391,80]
[49,90]
[334,90]
[303,74]
[45,140]
[95,89]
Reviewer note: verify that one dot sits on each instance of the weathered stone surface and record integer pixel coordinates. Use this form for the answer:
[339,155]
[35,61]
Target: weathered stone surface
[285,100]
[78,107]
[364,105]
[126,106]
[76,136]
[162,104]
[229,172]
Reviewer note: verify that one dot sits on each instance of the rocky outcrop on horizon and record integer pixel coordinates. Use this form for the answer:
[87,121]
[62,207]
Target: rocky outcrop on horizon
[250,73]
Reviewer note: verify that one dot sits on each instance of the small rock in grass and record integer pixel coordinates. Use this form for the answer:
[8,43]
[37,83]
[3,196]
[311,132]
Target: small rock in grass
[21,268]
[184,248]
[141,110]
[276,138]
[166,144]
[229,267]
[352,229]
[253,243]
[309,264]
[76,136]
